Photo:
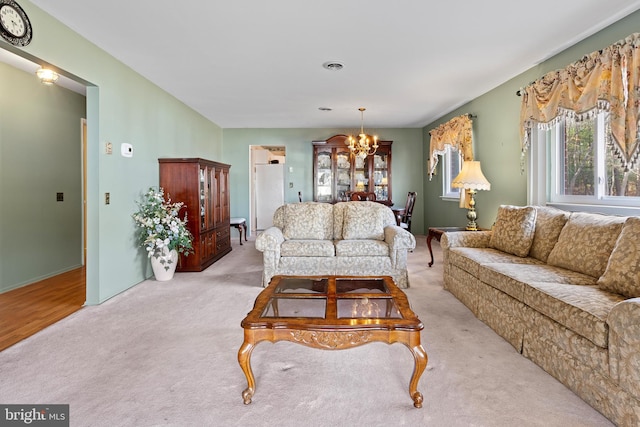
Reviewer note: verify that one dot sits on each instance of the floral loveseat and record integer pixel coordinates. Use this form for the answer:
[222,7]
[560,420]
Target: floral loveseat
[348,238]
[564,290]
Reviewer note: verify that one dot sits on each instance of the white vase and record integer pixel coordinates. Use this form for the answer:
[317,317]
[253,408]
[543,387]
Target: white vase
[164,265]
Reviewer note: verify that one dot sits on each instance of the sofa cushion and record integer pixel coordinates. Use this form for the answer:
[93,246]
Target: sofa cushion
[304,248]
[586,242]
[622,275]
[351,248]
[582,309]
[512,279]
[362,221]
[470,259]
[338,219]
[514,230]
[549,224]
[308,221]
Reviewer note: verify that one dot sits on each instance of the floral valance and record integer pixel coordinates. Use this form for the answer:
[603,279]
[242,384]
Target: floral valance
[456,133]
[606,80]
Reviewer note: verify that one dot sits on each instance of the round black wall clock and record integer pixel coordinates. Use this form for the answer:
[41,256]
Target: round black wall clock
[14,23]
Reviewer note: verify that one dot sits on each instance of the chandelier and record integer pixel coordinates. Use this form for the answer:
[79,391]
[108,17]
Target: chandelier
[361,145]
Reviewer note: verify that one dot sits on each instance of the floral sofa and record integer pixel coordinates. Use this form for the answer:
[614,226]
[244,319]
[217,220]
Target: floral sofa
[348,238]
[564,290]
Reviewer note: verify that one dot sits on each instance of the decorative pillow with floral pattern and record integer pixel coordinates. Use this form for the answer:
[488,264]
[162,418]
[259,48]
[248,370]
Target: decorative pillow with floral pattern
[586,242]
[514,230]
[622,275]
[362,221]
[308,221]
[549,224]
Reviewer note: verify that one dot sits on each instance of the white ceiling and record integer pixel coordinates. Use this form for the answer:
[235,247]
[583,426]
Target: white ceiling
[258,64]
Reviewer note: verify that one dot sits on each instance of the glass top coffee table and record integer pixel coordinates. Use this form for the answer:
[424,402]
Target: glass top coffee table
[332,313]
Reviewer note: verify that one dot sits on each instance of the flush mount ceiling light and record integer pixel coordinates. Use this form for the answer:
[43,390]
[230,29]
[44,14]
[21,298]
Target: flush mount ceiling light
[333,65]
[47,76]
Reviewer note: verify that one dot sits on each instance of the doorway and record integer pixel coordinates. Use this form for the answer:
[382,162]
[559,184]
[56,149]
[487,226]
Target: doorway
[62,279]
[266,184]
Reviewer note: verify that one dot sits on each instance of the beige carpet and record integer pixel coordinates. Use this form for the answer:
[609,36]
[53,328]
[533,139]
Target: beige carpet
[165,354]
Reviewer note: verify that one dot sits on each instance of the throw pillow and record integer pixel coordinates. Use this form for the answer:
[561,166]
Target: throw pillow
[308,221]
[514,230]
[549,223]
[586,242]
[362,221]
[622,275]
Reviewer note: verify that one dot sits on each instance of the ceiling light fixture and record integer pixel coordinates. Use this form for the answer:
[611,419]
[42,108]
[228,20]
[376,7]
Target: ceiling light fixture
[361,146]
[333,65]
[47,76]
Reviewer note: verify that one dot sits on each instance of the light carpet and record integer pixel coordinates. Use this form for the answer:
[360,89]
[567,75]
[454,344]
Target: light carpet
[165,354]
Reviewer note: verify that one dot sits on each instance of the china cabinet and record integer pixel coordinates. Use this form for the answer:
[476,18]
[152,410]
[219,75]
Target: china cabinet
[203,186]
[337,173]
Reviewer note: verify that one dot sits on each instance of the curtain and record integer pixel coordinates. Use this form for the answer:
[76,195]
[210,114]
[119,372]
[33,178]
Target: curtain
[457,133]
[606,80]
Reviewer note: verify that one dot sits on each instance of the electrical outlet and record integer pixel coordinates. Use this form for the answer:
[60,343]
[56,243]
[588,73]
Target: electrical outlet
[291,185]
[108,148]
[59,197]
[107,198]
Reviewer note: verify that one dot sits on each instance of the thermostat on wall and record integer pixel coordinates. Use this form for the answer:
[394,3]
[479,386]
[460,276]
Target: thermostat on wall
[126,150]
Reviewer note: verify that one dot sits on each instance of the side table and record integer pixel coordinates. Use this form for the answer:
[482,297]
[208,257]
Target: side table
[241,225]
[436,233]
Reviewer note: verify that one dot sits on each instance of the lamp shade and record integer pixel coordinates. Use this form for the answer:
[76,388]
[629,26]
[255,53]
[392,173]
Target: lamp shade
[471,177]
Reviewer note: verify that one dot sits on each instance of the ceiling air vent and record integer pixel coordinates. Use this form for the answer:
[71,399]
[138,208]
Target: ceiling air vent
[333,65]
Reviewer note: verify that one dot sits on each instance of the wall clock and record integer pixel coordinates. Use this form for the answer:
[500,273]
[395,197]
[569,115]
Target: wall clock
[14,23]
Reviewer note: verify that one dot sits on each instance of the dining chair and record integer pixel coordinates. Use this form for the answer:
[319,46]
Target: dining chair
[363,196]
[403,216]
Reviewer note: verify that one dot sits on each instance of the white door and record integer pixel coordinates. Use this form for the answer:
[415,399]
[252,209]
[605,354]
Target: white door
[269,186]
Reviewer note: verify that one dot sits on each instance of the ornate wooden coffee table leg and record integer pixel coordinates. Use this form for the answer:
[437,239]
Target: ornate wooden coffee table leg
[244,358]
[420,357]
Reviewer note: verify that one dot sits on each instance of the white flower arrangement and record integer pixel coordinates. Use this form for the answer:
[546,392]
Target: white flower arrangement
[160,227]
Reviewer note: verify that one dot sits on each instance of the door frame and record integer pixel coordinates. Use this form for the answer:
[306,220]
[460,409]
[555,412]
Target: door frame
[259,154]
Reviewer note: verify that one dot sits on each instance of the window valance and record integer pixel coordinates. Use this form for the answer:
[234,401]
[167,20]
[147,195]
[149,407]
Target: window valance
[456,133]
[606,80]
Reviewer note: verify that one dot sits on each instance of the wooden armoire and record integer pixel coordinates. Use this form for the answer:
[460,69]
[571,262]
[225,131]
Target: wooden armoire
[203,186]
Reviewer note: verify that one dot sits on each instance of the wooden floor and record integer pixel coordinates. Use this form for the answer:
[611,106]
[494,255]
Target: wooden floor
[29,309]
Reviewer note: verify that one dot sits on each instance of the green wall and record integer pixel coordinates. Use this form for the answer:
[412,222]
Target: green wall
[497,139]
[122,106]
[406,157]
[40,155]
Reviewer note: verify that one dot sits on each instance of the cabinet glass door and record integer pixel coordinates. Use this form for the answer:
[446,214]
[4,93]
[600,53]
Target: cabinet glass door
[203,198]
[361,174]
[343,178]
[381,176]
[324,177]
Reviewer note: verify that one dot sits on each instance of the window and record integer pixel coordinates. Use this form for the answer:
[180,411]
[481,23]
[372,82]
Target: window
[575,163]
[451,165]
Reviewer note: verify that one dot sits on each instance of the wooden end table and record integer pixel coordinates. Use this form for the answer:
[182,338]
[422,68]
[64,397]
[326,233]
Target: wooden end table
[332,313]
[436,233]
[241,225]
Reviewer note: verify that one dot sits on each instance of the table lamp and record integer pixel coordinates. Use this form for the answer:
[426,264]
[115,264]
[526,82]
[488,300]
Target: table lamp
[471,179]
